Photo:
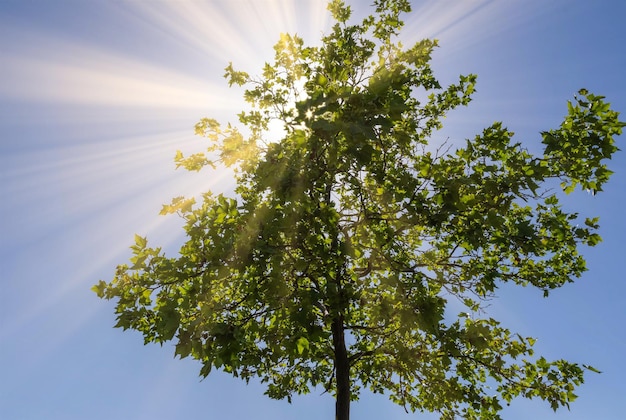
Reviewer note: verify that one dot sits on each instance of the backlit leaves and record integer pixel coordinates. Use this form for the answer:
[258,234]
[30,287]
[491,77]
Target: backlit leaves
[584,140]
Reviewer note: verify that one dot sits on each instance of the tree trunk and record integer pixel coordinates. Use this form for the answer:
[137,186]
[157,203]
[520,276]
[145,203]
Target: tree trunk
[342,370]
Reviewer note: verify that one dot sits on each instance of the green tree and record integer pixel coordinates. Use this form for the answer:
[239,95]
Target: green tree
[333,264]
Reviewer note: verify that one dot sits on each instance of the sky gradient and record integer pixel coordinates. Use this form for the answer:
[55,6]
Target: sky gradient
[97,96]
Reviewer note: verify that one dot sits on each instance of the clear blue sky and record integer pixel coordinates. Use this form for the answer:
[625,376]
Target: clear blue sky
[95,98]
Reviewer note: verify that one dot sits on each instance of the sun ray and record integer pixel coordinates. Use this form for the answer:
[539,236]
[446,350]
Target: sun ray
[238,31]
[84,76]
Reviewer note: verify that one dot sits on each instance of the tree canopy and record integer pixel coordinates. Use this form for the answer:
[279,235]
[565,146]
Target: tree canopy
[335,261]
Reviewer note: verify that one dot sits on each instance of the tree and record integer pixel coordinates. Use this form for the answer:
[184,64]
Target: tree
[335,262]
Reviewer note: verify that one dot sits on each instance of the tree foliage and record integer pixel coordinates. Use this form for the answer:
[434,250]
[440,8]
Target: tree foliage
[334,263]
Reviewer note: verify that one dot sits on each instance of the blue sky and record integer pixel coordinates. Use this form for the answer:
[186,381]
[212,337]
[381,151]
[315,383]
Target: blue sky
[96,97]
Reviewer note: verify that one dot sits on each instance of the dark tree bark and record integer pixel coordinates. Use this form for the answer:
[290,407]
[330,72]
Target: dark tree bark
[342,370]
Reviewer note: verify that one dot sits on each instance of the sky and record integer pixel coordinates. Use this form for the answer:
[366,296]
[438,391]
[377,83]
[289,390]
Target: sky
[96,97]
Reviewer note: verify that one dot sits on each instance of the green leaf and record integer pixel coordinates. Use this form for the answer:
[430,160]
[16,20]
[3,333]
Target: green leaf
[140,241]
[99,288]
[302,345]
[591,368]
